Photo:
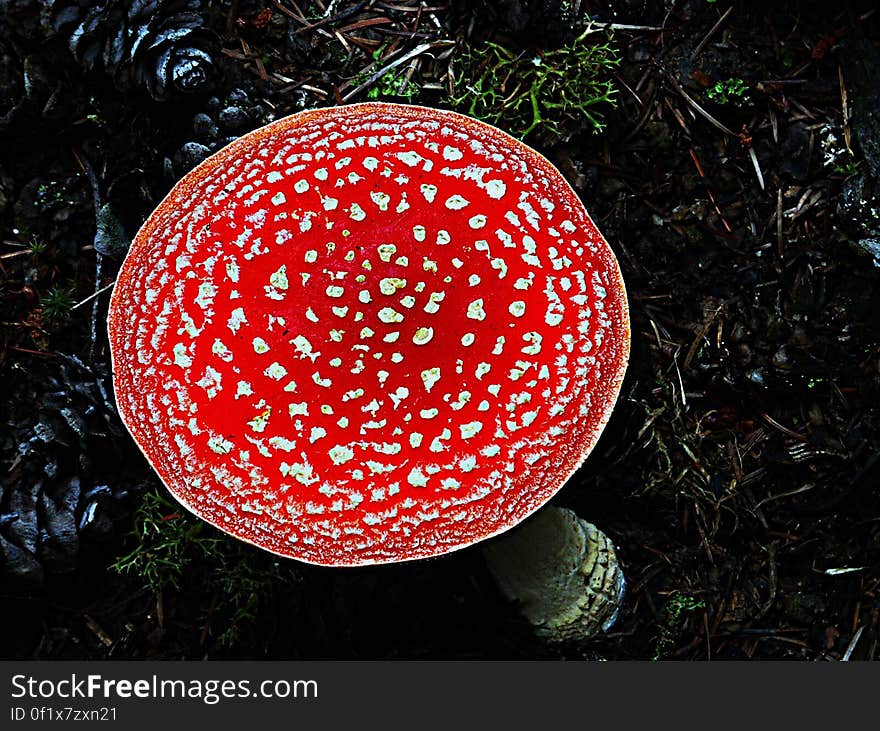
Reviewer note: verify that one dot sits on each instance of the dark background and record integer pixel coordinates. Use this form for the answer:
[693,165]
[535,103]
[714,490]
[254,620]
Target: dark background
[735,179]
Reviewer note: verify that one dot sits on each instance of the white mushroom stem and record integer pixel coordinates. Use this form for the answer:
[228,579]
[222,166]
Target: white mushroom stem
[562,572]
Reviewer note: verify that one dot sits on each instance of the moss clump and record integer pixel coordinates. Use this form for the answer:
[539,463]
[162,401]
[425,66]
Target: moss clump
[392,87]
[395,85]
[729,91]
[166,543]
[677,610]
[551,95]
[174,550]
[57,303]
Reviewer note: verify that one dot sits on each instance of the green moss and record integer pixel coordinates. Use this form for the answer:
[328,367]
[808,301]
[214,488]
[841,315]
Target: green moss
[36,246]
[729,91]
[550,95]
[392,87]
[57,302]
[176,552]
[166,543]
[678,608]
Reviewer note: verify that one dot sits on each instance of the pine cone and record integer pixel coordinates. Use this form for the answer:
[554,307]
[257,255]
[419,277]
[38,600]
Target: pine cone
[222,122]
[161,45]
[52,497]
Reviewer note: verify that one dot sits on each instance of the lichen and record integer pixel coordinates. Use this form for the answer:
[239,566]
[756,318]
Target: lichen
[550,95]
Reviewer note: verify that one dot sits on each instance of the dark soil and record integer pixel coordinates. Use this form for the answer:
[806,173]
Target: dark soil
[740,474]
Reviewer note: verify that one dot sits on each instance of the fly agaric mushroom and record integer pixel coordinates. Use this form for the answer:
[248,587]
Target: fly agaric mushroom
[368,334]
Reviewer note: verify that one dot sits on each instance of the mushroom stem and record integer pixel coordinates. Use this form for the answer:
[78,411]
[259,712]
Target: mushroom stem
[563,573]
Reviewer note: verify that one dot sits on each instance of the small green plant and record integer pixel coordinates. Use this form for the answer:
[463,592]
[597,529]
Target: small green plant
[729,91]
[390,86]
[676,611]
[552,94]
[174,550]
[394,84]
[36,246]
[167,542]
[240,584]
[846,169]
[57,302]
[48,194]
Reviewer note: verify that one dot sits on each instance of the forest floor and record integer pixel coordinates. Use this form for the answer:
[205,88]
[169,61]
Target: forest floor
[734,176]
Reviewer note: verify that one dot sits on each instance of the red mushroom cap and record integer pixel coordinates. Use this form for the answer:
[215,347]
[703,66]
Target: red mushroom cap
[368,334]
